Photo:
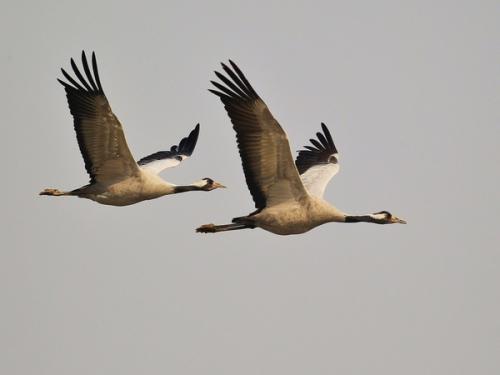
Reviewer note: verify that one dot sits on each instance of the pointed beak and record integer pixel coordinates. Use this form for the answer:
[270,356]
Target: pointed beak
[218,185]
[398,220]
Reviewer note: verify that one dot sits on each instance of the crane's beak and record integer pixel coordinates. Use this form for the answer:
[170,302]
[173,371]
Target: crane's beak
[396,219]
[218,185]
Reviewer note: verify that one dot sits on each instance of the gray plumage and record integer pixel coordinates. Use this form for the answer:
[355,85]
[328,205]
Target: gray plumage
[288,196]
[115,177]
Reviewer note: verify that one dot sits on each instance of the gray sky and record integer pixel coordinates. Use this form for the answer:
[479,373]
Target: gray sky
[410,92]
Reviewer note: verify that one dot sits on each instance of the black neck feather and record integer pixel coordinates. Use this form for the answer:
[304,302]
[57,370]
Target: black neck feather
[359,219]
[183,189]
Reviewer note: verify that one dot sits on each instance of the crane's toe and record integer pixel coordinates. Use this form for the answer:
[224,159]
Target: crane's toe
[206,228]
[53,192]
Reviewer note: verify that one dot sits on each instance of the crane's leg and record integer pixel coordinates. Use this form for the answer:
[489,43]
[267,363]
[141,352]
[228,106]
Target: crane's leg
[54,192]
[212,228]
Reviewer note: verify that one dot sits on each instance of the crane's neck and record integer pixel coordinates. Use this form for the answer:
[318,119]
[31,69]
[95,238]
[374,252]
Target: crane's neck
[330,214]
[360,219]
[195,186]
[325,213]
[333,214]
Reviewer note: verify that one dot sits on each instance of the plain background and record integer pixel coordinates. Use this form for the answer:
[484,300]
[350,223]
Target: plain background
[410,90]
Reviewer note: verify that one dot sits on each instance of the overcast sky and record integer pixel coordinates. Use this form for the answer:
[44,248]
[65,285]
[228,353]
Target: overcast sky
[410,91]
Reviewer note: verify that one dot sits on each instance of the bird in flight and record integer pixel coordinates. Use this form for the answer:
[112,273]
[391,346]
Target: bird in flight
[115,177]
[288,196]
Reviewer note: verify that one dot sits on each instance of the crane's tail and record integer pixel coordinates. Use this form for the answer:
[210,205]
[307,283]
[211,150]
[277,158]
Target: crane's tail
[212,228]
[55,192]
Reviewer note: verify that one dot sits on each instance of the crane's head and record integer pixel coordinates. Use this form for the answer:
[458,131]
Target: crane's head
[385,217]
[208,184]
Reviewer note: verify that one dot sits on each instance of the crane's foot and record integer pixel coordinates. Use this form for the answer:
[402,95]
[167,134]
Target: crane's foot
[207,228]
[53,192]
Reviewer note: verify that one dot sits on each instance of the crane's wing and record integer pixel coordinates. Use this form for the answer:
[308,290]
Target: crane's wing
[99,133]
[161,160]
[270,173]
[317,164]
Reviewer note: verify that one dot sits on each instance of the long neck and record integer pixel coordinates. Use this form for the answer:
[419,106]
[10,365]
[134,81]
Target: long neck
[330,213]
[326,213]
[185,188]
[359,219]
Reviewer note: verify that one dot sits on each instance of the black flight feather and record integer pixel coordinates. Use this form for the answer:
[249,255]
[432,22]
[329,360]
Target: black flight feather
[90,84]
[78,95]
[320,154]
[185,148]
[239,98]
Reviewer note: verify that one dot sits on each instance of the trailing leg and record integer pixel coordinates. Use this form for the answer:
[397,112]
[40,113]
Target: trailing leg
[55,192]
[212,228]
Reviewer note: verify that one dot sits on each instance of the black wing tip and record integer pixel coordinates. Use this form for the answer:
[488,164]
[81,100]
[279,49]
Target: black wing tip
[84,56]
[90,84]
[233,64]
[196,131]
[215,92]
[329,137]
[65,84]
[326,131]
[325,139]
[193,139]
[221,95]
[319,153]
[185,147]
[236,85]
[187,144]
[193,135]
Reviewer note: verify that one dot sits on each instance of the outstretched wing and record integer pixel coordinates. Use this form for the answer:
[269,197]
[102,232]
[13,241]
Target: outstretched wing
[99,133]
[317,164]
[161,160]
[270,173]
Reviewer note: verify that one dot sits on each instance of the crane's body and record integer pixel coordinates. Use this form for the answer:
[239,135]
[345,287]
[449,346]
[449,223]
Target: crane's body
[116,179]
[288,195]
[294,217]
